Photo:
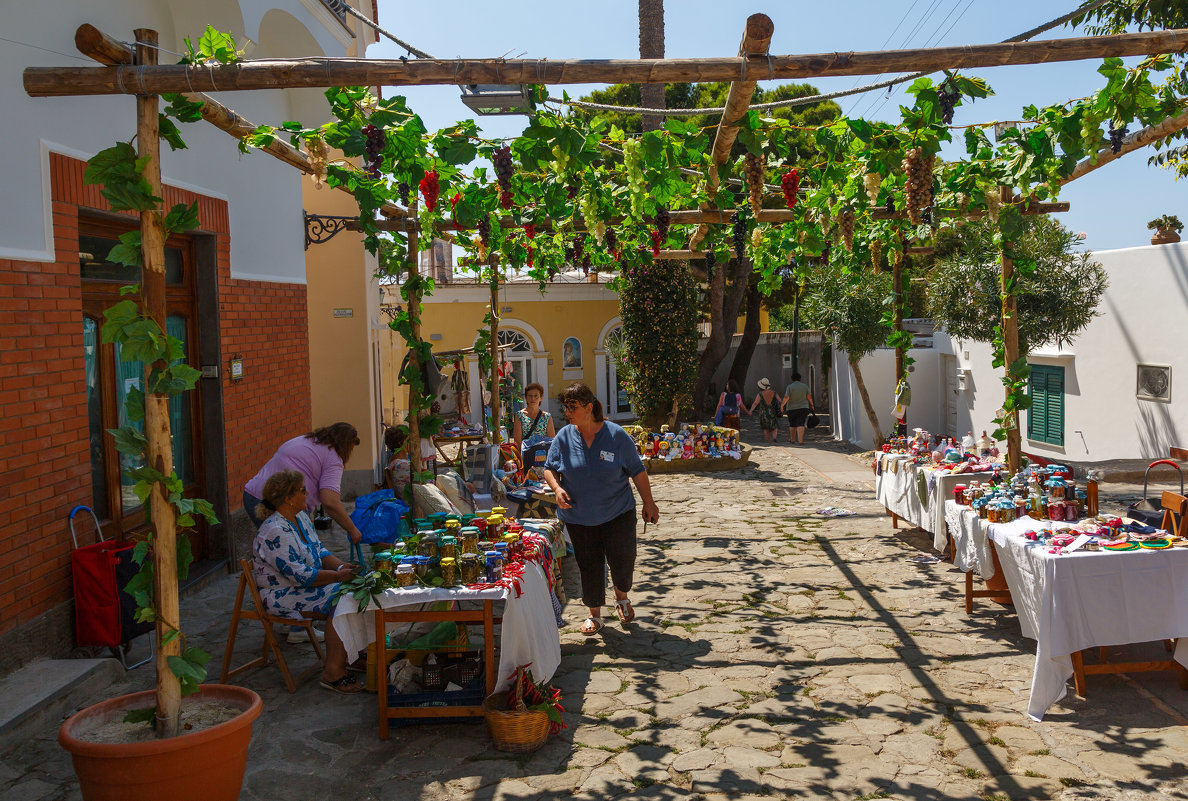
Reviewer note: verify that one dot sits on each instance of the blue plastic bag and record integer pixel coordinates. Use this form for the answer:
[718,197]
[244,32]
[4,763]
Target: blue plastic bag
[380,516]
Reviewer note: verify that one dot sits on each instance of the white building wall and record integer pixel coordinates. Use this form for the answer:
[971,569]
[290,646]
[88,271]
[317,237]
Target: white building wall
[1143,319]
[264,194]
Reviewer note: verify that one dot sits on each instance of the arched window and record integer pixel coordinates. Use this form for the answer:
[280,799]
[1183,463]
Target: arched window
[520,356]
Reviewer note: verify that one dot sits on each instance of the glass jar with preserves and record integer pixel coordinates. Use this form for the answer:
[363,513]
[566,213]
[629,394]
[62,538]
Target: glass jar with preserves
[468,539]
[449,572]
[405,575]
[469,568]
[383,562]
[448,546]
[428,546]
[494,565]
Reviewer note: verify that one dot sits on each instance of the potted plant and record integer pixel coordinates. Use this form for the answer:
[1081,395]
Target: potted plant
[1167,228]
[196,749]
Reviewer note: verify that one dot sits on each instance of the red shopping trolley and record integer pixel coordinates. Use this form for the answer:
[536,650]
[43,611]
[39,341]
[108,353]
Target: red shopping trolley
[104,615]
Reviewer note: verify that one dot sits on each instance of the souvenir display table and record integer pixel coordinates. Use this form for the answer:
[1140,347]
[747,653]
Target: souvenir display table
[528,632]
[1071,601]
[917,493]
[974,553]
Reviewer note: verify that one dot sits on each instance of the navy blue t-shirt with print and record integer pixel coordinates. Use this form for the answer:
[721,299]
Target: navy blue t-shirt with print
[596,477]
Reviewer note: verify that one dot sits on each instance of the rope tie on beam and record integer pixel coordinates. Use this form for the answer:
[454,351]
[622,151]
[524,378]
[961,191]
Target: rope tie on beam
[770,67]
[120,80]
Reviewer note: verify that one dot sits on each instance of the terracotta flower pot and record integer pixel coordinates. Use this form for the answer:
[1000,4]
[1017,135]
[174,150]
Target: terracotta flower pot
[1164,236]
[205,765]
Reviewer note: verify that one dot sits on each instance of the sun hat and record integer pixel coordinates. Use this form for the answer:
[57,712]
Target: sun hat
[764,383]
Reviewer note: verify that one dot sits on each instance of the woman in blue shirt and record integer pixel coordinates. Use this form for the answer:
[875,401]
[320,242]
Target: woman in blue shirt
[588,467]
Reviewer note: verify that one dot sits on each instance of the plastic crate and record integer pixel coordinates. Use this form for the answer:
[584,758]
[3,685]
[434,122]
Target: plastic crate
[472,695]
[463,670]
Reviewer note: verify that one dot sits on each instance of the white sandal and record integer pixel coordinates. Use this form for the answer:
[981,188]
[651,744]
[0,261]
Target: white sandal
[625,611]
[596,620]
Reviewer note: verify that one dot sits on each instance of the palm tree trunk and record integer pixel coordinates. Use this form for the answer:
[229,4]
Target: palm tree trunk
[651,45]
[870,412]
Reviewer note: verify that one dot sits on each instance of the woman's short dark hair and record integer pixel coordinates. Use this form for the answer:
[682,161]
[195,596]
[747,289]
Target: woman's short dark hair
[394,438]
[278,488]
[732,386]
[533,386]
[342,437]
[580,393]
[796,376]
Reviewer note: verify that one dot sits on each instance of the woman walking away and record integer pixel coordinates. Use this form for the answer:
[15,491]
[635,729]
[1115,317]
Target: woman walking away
[294,571]
[798,402]
[730,405]
[769,410]
[588,467]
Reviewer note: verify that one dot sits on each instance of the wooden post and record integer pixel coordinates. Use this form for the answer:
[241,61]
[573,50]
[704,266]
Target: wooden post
[1010,345]
[496,439]
[414,324]
[156,404]
[897,307]
[756,41]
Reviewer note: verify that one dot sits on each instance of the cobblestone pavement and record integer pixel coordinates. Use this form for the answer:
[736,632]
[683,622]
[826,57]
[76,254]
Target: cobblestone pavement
[776,653]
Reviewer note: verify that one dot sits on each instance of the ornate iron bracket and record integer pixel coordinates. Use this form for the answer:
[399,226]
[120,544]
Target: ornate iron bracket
[321,228]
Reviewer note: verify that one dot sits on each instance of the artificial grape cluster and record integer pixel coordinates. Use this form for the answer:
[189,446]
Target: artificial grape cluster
[993,205]
[753,171]
[1116,137]
[790,183]
[506,199]
[504,167]
[373,149]
[612,242]
[484,230]
[948,94]
[663,221]
[655,241]
[845,223]
[530,229]
[876,255]
[633,162]
[430,188]
[738,233]
[579,248]
[710,260]
[317,160]
[825,252]
[890,205]
[756,238]
[917,192]
[872,181]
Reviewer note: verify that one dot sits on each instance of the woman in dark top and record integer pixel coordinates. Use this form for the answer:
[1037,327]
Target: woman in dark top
[590,467]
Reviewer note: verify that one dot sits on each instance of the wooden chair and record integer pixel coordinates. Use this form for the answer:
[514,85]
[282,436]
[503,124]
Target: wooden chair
[1175,514]
[258,612]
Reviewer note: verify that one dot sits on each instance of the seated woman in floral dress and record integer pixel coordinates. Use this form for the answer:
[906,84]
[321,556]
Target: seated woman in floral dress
[294,571]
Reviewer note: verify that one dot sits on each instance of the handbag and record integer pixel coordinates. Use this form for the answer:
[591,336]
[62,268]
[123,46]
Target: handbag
[380,517]
[813,421]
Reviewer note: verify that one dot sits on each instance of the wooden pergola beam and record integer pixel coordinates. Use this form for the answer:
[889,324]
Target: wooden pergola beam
[93,43]
[327,72]
[1131,143]
[755,42]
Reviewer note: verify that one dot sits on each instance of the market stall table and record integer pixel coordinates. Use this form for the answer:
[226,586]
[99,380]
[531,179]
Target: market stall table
[917,493]
[528,632]
[462,441]
[973,552]
[1070,602]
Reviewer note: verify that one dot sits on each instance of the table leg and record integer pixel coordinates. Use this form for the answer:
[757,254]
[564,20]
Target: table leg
[381,670]
[969,592]
[489,645]
[894,519]
[1078,673]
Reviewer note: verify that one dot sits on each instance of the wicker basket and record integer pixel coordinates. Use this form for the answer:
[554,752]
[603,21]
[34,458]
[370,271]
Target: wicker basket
[517,732]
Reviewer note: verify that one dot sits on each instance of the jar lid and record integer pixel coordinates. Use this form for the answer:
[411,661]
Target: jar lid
[491,554]
[449,560]
[405,567]
[470,556]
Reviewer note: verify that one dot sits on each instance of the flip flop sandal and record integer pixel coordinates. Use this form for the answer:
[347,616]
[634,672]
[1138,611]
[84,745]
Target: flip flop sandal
[345,685]
[625,611]
[590,632]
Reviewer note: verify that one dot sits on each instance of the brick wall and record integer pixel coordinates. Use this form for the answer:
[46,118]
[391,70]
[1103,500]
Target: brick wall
[44,452]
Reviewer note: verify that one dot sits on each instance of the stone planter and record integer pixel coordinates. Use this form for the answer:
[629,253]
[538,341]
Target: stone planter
[1164,236]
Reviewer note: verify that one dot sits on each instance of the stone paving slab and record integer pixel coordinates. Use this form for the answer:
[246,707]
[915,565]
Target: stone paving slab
[776,654]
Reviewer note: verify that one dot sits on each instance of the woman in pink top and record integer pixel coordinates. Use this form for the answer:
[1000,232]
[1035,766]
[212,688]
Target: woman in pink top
[319,456]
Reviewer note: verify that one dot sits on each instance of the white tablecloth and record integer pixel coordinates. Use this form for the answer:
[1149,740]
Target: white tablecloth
[971,546]
[897,488]
[529,631]
[1069,602]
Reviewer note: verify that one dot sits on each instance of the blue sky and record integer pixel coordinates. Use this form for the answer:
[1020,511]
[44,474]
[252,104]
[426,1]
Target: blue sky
[1111,205]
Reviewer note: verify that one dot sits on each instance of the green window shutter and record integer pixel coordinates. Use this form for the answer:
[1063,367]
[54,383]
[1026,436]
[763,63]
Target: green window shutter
[1045,418]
